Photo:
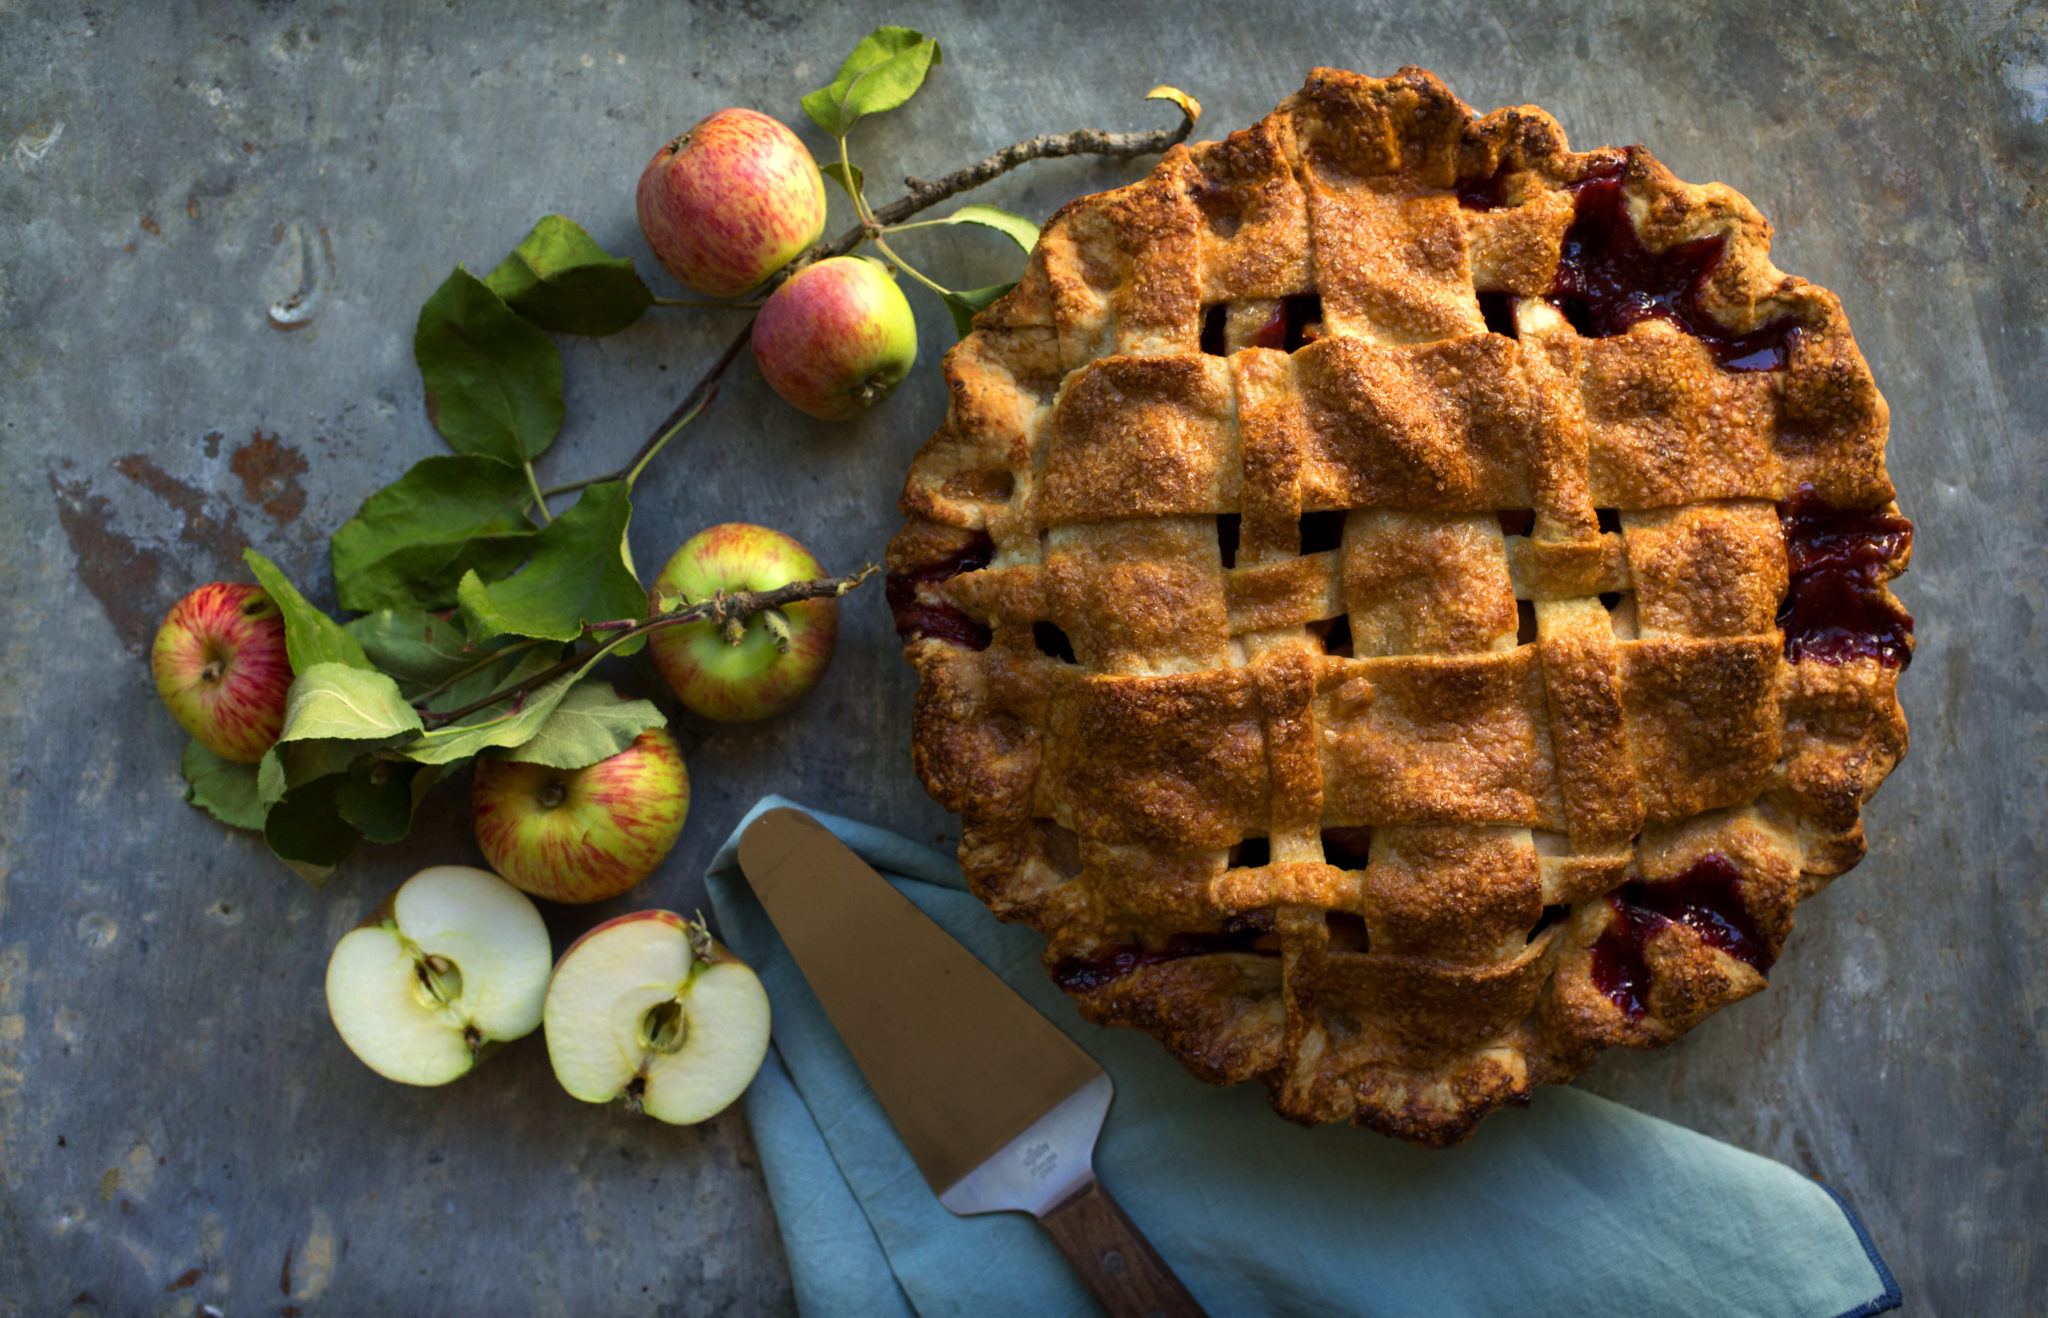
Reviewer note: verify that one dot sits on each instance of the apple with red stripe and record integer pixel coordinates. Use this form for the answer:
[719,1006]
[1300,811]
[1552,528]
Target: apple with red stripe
[582,835]
[740,671]
[651,1009]
[836,338]
[730,202]
[220,664]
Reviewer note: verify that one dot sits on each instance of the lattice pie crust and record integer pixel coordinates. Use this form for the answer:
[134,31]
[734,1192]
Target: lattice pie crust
[1401,604]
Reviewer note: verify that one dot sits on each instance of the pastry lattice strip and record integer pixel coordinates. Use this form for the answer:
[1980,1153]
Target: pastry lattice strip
[1371,631]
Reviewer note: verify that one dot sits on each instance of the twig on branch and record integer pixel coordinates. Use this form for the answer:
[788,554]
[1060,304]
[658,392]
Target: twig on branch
[923,194]
[721,609]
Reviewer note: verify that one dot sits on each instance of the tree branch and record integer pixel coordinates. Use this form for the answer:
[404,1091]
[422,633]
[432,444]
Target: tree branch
[922,195]
[720,609]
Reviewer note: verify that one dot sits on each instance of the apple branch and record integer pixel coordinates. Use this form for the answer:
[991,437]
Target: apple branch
[923,195]
[722,610]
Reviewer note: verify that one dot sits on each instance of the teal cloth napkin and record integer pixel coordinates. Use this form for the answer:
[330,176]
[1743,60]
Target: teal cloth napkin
[1573,1206]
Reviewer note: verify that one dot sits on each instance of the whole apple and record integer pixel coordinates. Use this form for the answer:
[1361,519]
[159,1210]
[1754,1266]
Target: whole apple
[452,964]
[780,654]
[836,338]
[220,665]
[650,1008]
[582,835]
[731,202]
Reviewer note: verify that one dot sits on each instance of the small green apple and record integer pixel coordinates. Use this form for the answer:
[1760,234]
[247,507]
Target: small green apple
[777,659]
[582,835]
[836,338]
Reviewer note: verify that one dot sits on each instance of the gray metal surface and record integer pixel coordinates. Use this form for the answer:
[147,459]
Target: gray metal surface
[217,224]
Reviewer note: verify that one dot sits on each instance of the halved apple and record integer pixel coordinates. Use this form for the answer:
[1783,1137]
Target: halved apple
[650,1008]
[455,962]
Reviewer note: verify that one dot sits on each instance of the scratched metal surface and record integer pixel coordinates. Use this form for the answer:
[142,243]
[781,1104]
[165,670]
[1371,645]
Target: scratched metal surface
[178,1123]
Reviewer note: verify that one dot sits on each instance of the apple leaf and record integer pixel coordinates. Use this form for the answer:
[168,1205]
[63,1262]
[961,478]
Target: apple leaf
[418,650]
[310,636]
[510,723]
[561,280]
[1015,227]
[964,303]
[839,174]
[493,380]
[578,574]
[593,722]
[883,72]
[379,796]
[337,702]
[224,789]
[305,830]
[409,545]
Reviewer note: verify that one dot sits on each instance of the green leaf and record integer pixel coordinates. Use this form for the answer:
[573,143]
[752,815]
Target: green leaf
[593,722]
[505,724]
[578,574]
[518,663]
[270,779]
[883,71]
[305,830]
[964,303]
[335,701]
[310,636]
[561,280]
[224,789]
[1015,227]
[838,173]
[409,545]
[379,796]
[494,382]
[419,650]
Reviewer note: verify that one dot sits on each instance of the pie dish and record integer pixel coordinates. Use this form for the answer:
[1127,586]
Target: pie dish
[1400,605]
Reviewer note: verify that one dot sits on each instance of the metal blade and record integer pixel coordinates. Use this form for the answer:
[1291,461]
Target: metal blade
[961,1063]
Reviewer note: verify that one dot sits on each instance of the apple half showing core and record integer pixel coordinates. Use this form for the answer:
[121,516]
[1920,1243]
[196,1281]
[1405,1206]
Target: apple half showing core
[651,1009]
[455,962]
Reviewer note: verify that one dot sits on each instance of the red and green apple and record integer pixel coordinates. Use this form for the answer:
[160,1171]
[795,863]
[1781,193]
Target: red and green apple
[220,665]
[734,674]
[836,338]
[582,835]
[730,202]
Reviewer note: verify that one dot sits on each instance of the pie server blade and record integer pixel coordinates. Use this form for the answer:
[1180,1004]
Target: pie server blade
[997,1107]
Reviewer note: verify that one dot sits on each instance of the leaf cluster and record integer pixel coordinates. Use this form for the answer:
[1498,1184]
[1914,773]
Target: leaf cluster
[466,584]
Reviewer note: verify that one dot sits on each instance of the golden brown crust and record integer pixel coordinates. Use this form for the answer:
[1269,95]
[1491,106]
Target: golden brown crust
[1362,682]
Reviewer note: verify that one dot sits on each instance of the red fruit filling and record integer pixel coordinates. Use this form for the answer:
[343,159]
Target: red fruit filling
[916,617]
[1835,608]
[1707,899]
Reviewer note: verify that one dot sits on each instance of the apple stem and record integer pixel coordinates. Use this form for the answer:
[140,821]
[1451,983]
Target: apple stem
[732,631]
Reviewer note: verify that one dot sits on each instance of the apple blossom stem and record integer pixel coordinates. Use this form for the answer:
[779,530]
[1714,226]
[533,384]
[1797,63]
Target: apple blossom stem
[701,394]
[923,194]
[489,658]
[907,268]
[720,608]
[540,500]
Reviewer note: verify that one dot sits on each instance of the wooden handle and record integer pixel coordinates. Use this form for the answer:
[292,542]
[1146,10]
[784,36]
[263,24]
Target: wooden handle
[1117,1263]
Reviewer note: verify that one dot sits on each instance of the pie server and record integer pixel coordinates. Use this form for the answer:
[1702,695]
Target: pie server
[998,1108]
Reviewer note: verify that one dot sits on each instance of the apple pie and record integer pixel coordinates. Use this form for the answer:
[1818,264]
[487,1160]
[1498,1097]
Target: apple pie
[1401,605]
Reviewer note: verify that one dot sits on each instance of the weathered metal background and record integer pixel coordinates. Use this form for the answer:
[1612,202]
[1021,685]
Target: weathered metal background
[179,1124]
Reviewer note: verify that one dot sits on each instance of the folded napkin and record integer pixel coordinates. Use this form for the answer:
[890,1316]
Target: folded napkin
[1573,1206]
